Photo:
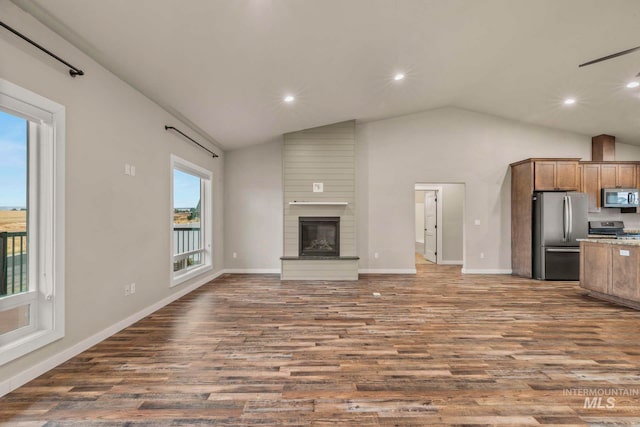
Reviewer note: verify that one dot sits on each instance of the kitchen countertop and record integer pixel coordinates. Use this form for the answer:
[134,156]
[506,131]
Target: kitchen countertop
[611,241]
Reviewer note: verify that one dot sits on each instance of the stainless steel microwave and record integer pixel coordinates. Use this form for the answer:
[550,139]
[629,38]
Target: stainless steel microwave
[619,197]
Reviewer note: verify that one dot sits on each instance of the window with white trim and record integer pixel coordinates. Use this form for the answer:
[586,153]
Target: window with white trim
[31,221]
[190,220]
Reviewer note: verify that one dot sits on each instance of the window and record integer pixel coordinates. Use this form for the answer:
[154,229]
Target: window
[31,221]
[190,220]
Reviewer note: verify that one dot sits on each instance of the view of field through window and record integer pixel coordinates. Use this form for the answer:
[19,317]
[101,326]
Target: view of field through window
[13,204]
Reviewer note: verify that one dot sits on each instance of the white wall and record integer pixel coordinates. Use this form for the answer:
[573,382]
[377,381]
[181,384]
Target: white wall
[117,226]
[253,208]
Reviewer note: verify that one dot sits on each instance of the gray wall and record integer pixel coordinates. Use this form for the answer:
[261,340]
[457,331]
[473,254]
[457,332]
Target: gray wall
[443,145]
[452,221]
[253,208]
[117,226]
[446,145]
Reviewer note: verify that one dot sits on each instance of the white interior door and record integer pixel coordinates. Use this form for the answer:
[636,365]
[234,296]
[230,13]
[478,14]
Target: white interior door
[430,225]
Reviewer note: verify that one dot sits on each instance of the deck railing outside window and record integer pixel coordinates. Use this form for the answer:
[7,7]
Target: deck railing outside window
[13,263]
[187,250]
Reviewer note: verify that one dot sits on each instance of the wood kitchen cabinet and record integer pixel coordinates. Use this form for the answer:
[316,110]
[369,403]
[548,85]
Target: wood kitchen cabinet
[598,175]
[528,176]
[625,265]
[611,271]
[618,175]
[595,267]
[555,175]
[590,184]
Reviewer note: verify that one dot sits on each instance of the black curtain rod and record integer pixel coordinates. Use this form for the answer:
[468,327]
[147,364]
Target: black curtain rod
[73,71]
[191,139]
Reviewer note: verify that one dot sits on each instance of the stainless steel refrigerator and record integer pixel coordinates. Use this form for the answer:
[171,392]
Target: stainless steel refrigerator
[559,218]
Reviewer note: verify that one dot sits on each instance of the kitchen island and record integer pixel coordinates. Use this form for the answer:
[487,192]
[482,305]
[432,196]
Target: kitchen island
[610,270]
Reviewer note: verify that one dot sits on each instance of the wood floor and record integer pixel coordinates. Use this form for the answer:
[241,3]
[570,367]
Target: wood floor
[439,348]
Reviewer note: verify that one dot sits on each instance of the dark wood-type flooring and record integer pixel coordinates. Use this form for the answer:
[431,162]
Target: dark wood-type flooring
[439,348]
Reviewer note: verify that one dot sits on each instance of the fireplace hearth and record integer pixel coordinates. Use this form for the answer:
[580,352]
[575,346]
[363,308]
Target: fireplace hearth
[319,236]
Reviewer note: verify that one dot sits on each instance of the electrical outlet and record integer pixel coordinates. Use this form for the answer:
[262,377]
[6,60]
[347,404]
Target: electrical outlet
[127,169]
[132,288]
[127,290]
[481,254]
[476,222]
[133,173]
[235,255]
[376,255]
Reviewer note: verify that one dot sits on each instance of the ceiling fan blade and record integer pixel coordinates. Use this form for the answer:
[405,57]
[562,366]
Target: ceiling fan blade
[613,55]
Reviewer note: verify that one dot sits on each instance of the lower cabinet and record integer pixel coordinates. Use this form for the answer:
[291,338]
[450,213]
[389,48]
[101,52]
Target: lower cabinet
[611,270]
[624,272]
[595,267]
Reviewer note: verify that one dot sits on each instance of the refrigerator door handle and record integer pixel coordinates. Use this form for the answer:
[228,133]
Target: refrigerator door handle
[565,218]
[563,249]
[570,233]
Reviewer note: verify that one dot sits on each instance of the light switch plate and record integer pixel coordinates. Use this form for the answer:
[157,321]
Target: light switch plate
[318,187]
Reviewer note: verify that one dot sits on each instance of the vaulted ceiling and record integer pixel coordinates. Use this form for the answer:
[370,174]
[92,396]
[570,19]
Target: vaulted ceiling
[226,65]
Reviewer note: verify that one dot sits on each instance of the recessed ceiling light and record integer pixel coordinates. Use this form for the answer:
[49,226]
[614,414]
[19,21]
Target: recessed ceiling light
[569,101]
[631,85]
[398,77]
[289,98]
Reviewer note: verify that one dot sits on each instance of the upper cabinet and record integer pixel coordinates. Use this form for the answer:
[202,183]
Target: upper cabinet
[590,184]
[596,176]
[620,175]
[555,175]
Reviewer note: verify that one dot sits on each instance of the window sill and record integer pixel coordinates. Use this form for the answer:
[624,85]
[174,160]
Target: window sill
[27,344]
[189,274]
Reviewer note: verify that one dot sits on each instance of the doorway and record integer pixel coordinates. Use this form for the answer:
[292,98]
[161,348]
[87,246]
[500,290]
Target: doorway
[439,223]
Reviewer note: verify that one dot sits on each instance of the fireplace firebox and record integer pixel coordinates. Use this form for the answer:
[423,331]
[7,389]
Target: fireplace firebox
[319,236]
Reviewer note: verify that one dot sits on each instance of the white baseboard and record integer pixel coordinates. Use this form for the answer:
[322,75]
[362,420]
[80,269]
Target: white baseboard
[33,372]
[485,271]
[387,271]
[252,270]
[450,262]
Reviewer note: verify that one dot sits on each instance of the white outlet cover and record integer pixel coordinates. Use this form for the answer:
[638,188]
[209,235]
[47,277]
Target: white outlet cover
[318,187]
[376,294]
[133,170]
[476,222]
[127,169]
